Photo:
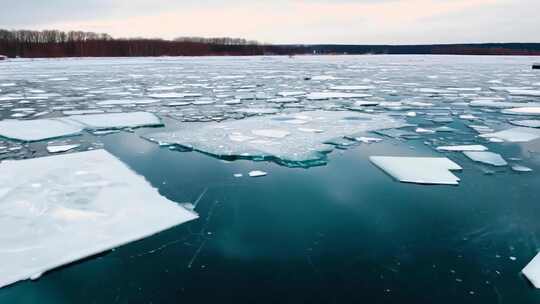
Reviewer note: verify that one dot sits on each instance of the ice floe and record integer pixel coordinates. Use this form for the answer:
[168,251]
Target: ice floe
[515,135]
[117,120]
[368,140]
[532,271]
[523,111]
[64,208]
[174,95]
[291,93]
[38,129]
[352,88]
[257,173]
[521,168]
[43,129]
[486,157]
[332,95]
[61,148]
[462,148]
[531,123]
[524,92]
[120,102]
[420,170]
[290,139]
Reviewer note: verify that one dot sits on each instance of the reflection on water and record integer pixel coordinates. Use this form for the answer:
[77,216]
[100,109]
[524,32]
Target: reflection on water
[344,232]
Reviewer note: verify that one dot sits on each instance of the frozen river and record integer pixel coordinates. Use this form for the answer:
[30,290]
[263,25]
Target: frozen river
[328,222]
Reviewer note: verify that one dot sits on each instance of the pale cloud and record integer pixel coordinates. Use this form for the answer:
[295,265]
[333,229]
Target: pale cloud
[312,21]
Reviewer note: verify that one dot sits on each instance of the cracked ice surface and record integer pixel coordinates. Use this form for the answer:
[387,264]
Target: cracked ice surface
[64,208]
[295,139]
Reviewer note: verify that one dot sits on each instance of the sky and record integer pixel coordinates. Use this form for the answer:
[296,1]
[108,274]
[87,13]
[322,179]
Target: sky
[288,21]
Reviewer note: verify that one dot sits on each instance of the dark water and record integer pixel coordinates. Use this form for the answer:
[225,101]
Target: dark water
[340,233]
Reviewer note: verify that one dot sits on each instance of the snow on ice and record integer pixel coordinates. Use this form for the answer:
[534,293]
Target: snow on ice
[64,208]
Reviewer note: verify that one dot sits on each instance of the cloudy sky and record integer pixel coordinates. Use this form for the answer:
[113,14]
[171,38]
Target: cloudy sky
[288,21]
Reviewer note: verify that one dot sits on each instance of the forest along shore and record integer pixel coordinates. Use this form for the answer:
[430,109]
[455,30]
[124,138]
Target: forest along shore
[54,43]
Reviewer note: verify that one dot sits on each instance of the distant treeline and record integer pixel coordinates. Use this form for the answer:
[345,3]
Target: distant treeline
[53,43]
[435,49]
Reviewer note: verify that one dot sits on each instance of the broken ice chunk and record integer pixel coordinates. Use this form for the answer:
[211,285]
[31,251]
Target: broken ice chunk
[64,208]
[276,137]
[523,111]
[420,170]
[331,95]
[524,92]
[120,102]
[485,157]
[488,103]
[284,100]
[36,130]
[60,148]
[368,140]
[516,135]
[352,88]
[117,120]
[462,148]
[532,271]
[174,95]
[257,173]
[259,111]
[520,168]
[411,114]
[291,93]
[468,117]
[397,133]
[424,131]
[531,123]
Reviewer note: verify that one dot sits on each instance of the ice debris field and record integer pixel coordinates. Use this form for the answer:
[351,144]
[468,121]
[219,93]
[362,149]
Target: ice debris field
[291,111]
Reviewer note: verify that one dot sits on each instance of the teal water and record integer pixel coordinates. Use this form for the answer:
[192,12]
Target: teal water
[340,233]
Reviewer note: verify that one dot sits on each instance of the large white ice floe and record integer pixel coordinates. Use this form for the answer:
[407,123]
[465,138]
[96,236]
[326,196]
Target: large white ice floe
[516,135]
[117,120]
[295,139]
[419,170]
[485,157]
[36,130]
[43,129]
[532,271]
[64,208]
